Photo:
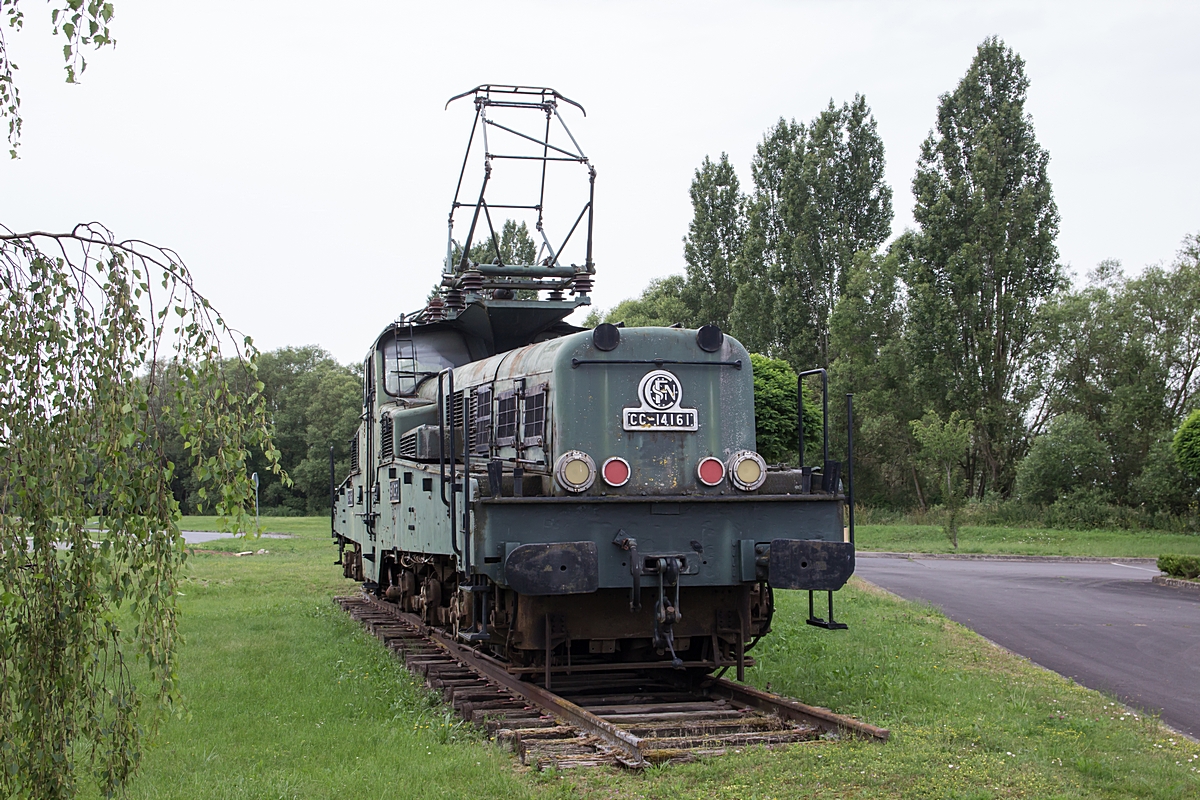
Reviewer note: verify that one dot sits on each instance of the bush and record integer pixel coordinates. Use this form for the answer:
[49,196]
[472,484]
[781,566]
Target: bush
[1162,485]
[1187,445]
[1069,457]
[1180,566]
[1077,511]
[775,411]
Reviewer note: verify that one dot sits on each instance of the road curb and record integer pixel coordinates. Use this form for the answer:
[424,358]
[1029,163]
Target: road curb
[1176,583]
[1001,557]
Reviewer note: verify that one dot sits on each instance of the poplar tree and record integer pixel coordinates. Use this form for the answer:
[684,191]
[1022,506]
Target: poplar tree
[712,247]
[848,208]
[771,306]
[985,259]
[819,199]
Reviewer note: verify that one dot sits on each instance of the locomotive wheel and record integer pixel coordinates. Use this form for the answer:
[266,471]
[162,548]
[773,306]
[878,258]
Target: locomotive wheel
[430,600]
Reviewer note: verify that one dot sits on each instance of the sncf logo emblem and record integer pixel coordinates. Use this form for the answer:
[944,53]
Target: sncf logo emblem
[660,390]
[660,394]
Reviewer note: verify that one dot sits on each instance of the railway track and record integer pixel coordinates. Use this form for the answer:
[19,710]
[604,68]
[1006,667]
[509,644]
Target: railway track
[624,718]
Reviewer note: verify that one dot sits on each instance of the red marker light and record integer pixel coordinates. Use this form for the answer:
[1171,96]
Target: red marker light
[615,471]
[710,471]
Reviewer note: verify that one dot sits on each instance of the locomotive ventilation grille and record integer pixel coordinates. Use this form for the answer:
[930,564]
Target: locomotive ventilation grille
[481,422]
[386,439]
[535,416]
[408,445]
[506,419]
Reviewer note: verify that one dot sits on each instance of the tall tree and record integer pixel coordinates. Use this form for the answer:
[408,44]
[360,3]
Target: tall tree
[1124,354]
[819,199]
[314,403]
[513,245]
[770,300]
[712,247]
[659,304]
[516,245]
[866,334]
[849,207]
[985,259]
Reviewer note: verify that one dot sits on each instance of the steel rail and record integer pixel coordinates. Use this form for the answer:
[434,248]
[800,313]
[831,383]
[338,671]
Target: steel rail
[788,708]
[632,746]
[626,747]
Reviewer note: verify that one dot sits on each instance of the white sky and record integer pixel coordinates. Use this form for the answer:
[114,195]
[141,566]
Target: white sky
[297,155]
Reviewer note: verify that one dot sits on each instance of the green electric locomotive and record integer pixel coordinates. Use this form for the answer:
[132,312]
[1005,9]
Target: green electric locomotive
[563,496]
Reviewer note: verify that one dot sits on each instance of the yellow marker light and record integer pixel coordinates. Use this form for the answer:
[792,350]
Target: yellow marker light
[747,470]
[575,471]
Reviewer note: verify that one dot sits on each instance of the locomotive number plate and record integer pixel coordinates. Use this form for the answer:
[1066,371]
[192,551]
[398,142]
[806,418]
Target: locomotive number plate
[661,395]
[638,420]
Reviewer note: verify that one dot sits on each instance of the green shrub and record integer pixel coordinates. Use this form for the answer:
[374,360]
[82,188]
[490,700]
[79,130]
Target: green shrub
[1163,486]
[1068,457]
[775,411]
[1180,566]
[1187,444]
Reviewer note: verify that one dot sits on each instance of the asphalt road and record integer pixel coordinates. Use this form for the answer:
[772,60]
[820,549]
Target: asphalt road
[1105,625]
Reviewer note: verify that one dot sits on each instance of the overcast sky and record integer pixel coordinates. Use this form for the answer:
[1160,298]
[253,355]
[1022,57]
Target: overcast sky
[299,158]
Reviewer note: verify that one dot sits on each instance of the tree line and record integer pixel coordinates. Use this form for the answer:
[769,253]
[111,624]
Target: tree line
[312,403]
[978,370]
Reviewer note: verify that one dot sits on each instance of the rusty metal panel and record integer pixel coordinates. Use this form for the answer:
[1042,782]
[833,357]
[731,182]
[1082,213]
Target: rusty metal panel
[553,568]
[706,530]
[810,564]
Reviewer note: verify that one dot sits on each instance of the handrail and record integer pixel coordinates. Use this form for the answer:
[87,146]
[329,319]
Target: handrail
[466,549]
[442,448]
[850,461]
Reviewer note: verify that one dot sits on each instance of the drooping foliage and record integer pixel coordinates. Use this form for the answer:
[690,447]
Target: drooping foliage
[90,551]
[81,24]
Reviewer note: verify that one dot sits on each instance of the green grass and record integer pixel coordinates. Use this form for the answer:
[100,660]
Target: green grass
[286,698]
[1026,541]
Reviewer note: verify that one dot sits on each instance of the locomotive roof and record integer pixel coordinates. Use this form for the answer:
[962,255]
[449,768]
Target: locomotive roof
[495,326]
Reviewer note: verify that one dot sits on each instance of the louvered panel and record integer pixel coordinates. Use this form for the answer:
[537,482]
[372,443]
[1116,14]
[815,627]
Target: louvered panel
[386,439]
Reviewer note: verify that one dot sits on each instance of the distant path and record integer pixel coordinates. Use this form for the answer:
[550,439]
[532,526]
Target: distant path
[1105,625]
[198,537]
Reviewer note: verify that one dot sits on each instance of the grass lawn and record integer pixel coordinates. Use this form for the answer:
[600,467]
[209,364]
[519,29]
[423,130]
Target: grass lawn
[1026,541]
[286,698]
